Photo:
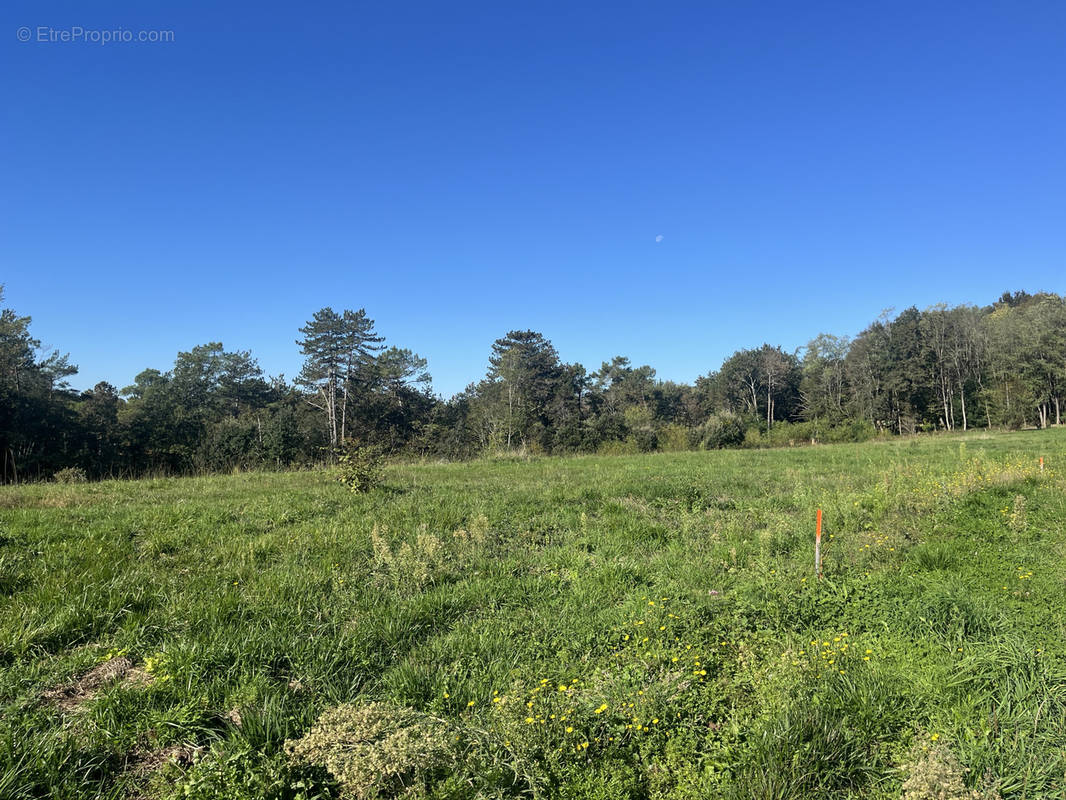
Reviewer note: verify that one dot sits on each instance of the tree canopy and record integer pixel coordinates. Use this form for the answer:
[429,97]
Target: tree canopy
[941,368]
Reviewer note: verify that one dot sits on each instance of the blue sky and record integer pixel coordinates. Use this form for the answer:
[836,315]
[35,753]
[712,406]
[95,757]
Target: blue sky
[461,170]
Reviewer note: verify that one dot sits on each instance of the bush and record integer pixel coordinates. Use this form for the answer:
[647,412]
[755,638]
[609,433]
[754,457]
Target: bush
[71,475]
[641,427]
[361,467]
[674,437]
[856,430]
[645,440]
[791,434]
[723,429]
[614,447]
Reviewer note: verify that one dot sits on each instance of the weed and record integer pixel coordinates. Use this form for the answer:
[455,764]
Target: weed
[934,773]
[70,475]
[376,750]
[1019,520]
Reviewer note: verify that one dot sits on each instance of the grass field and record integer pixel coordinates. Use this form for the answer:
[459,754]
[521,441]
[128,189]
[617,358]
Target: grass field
[643,626]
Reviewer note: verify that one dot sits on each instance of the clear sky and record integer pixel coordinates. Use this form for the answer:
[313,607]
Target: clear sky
[665,181]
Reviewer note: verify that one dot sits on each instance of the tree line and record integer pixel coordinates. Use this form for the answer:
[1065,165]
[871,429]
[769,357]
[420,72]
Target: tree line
[942,368]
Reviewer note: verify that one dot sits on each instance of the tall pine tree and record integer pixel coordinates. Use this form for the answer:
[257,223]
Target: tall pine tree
[338,352]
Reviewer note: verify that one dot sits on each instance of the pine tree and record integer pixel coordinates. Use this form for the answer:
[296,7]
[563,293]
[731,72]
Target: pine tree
[338,350]
[525,368]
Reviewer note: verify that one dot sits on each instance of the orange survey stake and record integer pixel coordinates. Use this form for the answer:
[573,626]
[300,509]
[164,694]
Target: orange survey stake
[818,544]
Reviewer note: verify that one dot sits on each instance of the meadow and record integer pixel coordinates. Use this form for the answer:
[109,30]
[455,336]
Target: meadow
[588,627]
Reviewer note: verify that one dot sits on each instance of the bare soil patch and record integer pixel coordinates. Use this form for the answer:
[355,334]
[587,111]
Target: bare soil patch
[71,696]
[141,763]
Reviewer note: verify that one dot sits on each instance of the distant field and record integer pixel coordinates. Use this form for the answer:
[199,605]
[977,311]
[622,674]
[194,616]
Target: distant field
[605,627]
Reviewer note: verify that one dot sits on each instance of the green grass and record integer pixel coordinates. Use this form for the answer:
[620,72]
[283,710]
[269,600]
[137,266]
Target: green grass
[472,592]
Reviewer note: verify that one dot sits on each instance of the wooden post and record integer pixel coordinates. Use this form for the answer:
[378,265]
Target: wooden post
[818,544]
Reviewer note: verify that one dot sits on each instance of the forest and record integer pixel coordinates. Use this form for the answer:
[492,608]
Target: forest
[214,410]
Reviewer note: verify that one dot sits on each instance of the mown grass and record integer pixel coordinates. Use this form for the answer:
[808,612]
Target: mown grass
[608,627]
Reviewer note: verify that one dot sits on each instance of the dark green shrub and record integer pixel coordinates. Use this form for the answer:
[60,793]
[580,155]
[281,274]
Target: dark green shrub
[851,431]
[360,467]
[675,438]
[645,440]
[724,429]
